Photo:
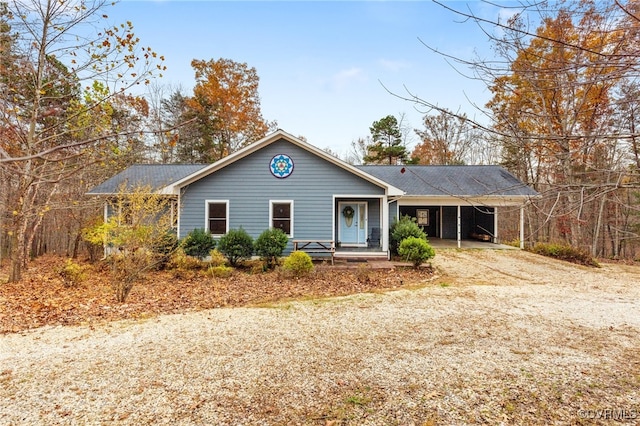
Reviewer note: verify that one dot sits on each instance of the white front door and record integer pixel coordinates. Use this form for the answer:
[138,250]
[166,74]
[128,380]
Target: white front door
[352,224]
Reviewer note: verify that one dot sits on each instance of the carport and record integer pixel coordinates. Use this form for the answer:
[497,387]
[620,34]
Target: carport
[457,203]
[476,222]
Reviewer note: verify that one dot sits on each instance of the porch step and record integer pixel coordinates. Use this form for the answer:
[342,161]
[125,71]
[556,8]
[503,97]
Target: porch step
[360,255]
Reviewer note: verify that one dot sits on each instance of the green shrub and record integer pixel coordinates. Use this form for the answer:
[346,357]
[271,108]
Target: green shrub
[236,245]
[402,229]
[71,273]
[216,258]
[179,260]
[198,243]
[166,244]
[298,264]
[164,247]
[220,271]
[564,252]
[269,246]
[415,250]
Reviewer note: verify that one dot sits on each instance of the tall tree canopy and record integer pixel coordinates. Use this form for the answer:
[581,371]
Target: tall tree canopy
[450,139]
[226,109]
[386,145]
[555,110]
[63,74]
[564,111]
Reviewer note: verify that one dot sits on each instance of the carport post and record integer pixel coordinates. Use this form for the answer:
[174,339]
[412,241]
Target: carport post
[522,226]
[459,227]
[495,225]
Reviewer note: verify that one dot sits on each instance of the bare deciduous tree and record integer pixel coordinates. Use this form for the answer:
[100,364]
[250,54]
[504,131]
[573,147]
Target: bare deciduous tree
[448,139]
[564,113]
[63,79]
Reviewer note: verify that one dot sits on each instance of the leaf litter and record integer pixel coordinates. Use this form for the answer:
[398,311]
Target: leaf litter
[525,342]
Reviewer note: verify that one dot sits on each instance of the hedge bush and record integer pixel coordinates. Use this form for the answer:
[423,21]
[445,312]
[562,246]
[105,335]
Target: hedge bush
[216,258]
[416,250]
[298,264]
[180,261]
[198,243]
[166,244]
[269,246]
[564,252]
[236,245]
[402,229]
[220,271]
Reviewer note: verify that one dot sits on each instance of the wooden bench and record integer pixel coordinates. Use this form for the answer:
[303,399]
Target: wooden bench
[315,246]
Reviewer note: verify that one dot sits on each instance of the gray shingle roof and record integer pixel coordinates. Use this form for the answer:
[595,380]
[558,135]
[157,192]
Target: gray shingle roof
[461,181]
[458,181]
[156,176]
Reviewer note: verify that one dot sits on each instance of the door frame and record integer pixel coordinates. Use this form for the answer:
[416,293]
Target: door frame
[341,219]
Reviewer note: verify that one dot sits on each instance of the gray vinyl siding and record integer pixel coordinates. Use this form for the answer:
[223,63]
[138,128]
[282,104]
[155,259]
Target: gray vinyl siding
[249,186]
[374,215]
[393,212]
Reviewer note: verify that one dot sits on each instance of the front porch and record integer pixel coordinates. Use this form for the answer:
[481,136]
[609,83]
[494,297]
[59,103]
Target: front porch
[375,257]
[361,253]
[376,253]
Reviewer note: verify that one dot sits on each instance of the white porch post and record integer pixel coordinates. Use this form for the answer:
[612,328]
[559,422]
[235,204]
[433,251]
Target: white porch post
[495,225]
[459,227]
[178,210]
[384,238]
[522,226]
[105,249]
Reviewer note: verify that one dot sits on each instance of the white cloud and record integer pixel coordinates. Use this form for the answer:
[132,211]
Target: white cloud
[346,77]
[393,65]
[505,14]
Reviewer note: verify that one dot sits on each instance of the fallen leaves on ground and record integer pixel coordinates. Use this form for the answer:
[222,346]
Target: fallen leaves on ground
[41,298]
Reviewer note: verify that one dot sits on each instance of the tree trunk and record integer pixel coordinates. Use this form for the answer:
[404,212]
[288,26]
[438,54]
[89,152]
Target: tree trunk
[594,245]
[17,257]
[76,245]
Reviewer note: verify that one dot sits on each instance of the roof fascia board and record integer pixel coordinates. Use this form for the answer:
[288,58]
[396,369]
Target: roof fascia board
[167,190]
[495,200]
[162,191]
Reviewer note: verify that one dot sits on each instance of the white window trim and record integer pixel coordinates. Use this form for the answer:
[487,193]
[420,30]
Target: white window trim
[271,203]
[206,215]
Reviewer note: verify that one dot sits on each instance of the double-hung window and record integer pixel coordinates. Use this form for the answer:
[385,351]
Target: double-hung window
[281,216]
[217,221]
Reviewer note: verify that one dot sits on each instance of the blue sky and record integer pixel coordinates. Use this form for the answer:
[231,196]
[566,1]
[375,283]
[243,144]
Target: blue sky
[322,65]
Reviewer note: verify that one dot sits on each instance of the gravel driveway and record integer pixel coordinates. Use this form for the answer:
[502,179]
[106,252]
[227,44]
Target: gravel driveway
[497,337]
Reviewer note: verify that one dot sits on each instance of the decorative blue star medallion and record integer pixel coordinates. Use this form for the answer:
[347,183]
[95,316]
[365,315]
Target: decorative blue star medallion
[281,166]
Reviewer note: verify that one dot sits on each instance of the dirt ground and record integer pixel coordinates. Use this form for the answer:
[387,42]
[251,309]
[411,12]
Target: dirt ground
[491,337]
